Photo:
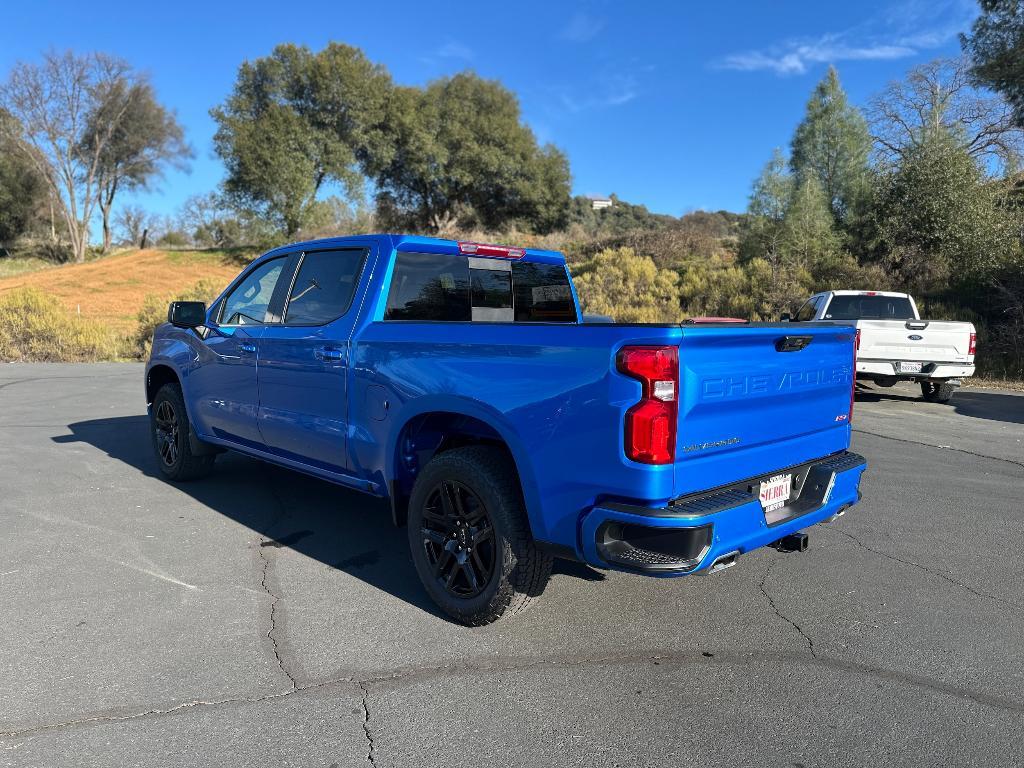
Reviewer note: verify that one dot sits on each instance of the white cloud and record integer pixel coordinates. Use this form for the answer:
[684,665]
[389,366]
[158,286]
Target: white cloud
[902,30]
[611,91]
[795,58]
[582,27]
[453,50]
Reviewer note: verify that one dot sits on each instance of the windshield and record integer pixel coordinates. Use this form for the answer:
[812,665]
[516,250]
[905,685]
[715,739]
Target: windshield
[870,308]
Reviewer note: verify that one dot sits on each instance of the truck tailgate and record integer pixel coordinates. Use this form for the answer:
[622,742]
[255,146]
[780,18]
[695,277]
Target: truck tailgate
[754,398]
[914,340]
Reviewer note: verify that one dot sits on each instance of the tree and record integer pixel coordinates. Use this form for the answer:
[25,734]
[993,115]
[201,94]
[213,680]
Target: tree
[784,217]
[810,234]
[630,288]
[52,103]
[940,95]
[458,150]
[134,225]
[296,121]
[145,139]
[941,219]
[22,188]
[996,48]
[832,144]
[764,230]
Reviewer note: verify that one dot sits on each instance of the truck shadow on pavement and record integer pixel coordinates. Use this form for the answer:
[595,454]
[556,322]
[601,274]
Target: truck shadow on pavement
[993,406]
[341,528]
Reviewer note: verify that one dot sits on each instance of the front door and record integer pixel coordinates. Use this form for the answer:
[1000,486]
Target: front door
[224,383]
[303,369]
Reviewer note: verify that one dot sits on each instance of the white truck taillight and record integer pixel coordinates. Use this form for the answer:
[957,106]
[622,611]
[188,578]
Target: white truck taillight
[973,345]
[651,424]
[853,375]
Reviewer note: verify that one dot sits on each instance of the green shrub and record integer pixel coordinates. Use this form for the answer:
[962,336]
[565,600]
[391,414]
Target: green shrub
[35,327]
[154,312]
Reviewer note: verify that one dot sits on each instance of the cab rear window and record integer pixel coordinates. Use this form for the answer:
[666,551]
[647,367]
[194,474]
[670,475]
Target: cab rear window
[869,308]
[442,287]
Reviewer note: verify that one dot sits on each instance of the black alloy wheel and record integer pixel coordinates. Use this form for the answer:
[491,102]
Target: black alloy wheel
[167,432]
[458,539]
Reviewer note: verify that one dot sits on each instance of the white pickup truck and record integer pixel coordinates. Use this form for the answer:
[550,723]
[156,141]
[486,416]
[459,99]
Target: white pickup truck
[895,344]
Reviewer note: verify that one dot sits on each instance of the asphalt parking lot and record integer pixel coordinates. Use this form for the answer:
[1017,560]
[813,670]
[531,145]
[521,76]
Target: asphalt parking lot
[261,618]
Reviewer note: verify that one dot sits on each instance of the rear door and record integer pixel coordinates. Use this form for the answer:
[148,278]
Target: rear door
[304,360]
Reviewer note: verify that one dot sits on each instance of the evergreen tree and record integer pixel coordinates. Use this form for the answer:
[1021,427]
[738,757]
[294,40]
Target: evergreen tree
[996,47]
[833,144]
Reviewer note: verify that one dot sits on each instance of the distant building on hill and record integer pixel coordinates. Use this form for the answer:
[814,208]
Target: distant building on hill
[597,203]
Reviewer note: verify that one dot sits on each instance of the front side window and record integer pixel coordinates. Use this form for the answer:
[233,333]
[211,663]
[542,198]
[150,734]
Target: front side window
[324,286]
[248,303]
[806,312]
[429,286]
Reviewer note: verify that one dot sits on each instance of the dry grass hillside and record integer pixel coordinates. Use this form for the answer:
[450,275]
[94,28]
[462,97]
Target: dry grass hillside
[113,290]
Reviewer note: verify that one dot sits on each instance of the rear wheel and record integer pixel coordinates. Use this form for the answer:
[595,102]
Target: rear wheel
[170,429]
[470,539]
[937,391]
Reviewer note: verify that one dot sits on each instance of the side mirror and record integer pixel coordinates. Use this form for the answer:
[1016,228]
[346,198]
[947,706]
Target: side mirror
[187,314]
[785,317]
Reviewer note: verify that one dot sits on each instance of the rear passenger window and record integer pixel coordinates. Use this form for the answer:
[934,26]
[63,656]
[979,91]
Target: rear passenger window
[324,286]
[542,293]
[428,286]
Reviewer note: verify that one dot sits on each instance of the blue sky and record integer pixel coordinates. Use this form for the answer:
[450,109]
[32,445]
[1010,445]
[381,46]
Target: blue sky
[670,104]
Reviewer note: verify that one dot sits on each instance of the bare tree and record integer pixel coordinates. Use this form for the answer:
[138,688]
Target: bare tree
[940,94]
[144,140]
[53,102]
[133,223]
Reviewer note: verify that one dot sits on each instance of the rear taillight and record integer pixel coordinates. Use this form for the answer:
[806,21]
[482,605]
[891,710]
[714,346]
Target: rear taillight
[853,376]
[651,423]
[973,345]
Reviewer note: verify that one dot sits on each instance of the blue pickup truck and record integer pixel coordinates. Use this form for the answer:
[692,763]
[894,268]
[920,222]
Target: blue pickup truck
[460,382]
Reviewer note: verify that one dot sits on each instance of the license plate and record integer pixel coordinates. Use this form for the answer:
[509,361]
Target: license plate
[775,492]
[910,367]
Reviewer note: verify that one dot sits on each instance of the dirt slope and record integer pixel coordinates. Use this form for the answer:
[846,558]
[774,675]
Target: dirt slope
[112,289]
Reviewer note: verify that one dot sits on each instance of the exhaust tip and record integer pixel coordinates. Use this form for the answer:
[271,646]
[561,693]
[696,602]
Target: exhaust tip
[722,562]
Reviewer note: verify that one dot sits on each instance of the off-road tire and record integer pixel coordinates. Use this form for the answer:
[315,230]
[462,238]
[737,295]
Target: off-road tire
[937,392]
[172,447]
[519,570]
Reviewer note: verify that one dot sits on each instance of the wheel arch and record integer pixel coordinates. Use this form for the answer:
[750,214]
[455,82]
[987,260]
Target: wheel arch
[435,427]
[157,376]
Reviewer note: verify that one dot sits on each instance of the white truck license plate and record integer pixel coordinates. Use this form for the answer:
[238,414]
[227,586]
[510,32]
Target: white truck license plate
[910,367]
[775,492]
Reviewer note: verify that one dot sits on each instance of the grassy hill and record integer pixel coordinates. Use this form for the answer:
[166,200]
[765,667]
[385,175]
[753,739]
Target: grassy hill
[114,289]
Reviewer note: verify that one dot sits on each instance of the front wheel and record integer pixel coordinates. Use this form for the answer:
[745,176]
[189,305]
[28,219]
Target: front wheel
[470,539]
[937,391]
[170,429]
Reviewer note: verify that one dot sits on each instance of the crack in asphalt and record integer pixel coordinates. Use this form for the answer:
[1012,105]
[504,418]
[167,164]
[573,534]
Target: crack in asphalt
[274,598]
[370,745]
[780,614]
[926,569]
[273,619]
[409,675]
[942,447]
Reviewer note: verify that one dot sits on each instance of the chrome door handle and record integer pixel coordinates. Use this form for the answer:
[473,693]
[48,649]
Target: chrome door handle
[327,353]
[247,347]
